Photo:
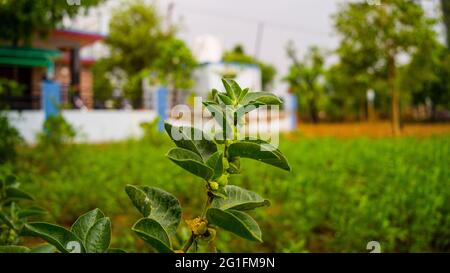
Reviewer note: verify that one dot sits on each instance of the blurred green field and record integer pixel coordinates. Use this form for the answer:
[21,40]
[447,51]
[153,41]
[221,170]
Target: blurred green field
[341,194]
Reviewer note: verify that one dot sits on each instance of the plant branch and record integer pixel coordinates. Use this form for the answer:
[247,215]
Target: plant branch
[188,243]
[207,203]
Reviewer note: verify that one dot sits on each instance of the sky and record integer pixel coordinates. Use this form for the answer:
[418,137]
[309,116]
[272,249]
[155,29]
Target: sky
[305,22]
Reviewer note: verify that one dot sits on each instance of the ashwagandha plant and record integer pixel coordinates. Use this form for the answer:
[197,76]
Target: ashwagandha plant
[214,159]
[16,207]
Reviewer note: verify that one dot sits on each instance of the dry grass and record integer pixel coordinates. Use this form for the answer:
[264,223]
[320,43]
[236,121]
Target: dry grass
[375,130]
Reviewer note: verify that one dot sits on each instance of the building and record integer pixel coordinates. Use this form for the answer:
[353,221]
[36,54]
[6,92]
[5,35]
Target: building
[57,57]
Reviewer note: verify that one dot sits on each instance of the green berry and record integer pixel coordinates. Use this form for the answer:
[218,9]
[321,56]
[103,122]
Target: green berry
[214,185]
[223,180]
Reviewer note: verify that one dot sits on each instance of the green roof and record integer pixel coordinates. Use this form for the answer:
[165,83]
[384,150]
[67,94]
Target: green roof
[27,56]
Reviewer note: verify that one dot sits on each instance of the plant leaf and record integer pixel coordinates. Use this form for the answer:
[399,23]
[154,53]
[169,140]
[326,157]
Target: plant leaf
[220,193]
[15,194]
[239,199]
[82,225]
[5,219]
[215,162]
[55,235]
[98,237]
[237,222]
[227,83]
[192,139]
[243,94]
[261,151]
[224,119]
[191,162]
[31,211]
[242,110]
[14,249]
[225,99]
[157,204]
[267,98]
[153,233]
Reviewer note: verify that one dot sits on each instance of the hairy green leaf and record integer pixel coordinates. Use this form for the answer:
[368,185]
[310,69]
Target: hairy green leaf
[225,99]
[267,98]
[242,110]
[157,204]
[192,139]
[236,222]
[82,225]
[64,240]
[13,193]
[242,95]
[261,151]
[215,162]
[231,91]
[99,236]
[191,162]
[224,119]
[239,199]
[153,233]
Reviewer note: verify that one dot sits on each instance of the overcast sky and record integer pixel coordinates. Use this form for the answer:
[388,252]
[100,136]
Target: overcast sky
[306,22]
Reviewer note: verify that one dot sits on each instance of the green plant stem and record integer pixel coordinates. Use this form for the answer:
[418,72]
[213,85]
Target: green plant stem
[188,243]
[207,204]
[191,239]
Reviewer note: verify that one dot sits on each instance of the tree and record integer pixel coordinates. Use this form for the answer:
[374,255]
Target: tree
[238,55]
[384,33]
[305,78]
[146,49]
[445,6]
[21,20]
[175,63]
[101,85]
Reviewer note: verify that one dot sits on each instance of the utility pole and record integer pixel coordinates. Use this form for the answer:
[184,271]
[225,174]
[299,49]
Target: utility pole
[170,7]
[259,36]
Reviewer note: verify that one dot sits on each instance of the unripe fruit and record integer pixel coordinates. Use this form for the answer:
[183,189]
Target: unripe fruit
[209,236]
[214,185]
[223,180]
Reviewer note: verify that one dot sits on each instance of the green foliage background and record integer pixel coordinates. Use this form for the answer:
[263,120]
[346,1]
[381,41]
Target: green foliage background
[391,190]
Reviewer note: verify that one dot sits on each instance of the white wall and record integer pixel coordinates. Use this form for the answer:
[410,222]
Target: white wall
[113,125]
[93,126]
[208,76]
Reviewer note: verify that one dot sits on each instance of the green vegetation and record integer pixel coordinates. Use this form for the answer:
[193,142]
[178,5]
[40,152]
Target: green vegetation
[16,207]
[9,140]
[22,20]
[340,193]
[149,50]
[306,79]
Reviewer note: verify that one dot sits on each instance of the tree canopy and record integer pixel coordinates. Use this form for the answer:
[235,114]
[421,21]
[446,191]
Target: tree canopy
[376,38]
[23,19]
[147,49]
[306,78]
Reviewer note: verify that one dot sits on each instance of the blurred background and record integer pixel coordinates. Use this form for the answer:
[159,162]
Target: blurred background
[85,86]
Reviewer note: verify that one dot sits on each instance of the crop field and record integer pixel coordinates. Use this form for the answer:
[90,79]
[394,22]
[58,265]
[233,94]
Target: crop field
[341,193]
